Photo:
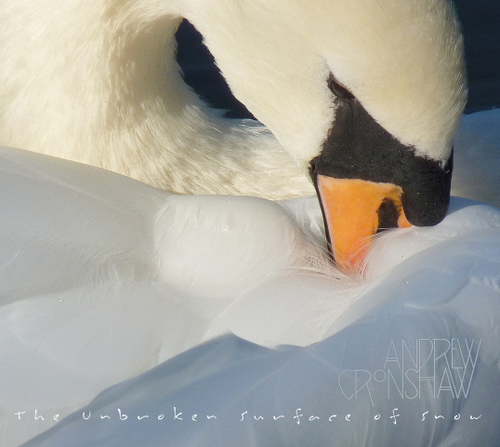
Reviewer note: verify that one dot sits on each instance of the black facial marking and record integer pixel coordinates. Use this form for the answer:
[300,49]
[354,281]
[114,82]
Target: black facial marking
[360,148]
[388,215]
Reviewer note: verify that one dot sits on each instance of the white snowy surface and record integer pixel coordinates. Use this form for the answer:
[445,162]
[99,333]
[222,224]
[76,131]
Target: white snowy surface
[227,307]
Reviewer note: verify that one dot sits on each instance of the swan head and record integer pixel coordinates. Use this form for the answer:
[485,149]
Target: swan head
[367,96]
[368,180]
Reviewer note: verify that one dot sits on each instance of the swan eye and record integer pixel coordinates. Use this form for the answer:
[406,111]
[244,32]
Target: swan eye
[338,89]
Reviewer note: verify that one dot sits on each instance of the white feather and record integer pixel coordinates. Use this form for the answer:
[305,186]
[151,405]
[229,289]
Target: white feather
[98,83]
[104,278]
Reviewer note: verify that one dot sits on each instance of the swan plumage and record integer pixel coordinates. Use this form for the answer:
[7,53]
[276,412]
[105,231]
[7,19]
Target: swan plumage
[111,64]
[89,299]
[99,84]
[105,279]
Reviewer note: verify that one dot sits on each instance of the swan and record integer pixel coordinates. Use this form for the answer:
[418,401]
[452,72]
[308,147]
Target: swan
[116,295]
[363,98]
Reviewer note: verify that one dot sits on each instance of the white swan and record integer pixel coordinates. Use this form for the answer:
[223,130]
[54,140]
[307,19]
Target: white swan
[361,90]
[103,278]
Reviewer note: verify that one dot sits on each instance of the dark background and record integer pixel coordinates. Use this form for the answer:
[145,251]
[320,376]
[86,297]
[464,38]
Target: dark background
[481,28]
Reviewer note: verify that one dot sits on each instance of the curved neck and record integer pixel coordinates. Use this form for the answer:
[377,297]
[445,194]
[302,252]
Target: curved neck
[84,67]
[100,85]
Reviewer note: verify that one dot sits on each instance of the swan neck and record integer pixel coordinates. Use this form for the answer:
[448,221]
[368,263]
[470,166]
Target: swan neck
[98,83]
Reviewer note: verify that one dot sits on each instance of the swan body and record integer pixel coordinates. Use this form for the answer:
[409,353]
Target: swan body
[364,90]
[104,278]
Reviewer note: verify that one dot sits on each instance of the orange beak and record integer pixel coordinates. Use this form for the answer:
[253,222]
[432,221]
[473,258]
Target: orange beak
[353,214]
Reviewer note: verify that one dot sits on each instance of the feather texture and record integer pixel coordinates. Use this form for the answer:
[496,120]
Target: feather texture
[104,278]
